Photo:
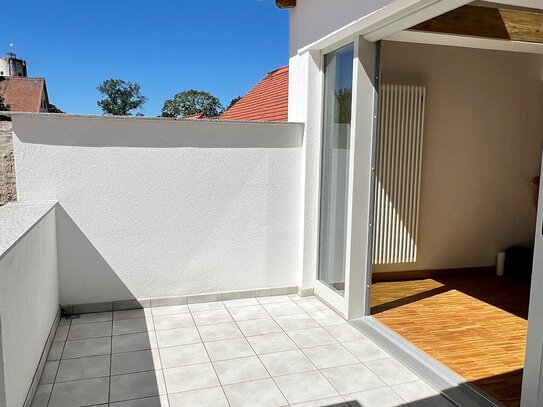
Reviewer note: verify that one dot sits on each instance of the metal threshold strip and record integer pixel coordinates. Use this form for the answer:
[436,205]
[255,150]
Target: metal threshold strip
[451,385]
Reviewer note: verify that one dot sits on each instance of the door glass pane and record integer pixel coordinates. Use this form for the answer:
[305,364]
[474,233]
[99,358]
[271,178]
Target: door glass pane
[338,72]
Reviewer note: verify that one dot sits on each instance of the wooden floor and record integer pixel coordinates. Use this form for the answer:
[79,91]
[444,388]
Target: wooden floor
[476,325]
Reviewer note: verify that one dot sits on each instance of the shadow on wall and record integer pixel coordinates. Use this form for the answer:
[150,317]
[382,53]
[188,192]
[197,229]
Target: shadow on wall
[81,265]
[157,133]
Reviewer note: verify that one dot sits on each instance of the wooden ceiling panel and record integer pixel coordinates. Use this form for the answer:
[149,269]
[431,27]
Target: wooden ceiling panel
[285,3]
[488,22]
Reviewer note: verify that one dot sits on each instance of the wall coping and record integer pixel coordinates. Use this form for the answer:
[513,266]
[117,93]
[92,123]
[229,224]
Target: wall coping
[17,219]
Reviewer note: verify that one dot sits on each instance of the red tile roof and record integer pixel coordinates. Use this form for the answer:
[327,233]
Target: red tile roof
[266,102]
[195,116]
[23,94]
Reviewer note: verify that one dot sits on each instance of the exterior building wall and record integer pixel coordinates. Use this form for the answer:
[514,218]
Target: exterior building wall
[310,21]
[155,208]
[10,65]
[7,164]
[28,294]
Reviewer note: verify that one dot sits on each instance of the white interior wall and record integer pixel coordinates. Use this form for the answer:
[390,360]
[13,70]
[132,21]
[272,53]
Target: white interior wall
[28,295]
[483,139]
[154,208]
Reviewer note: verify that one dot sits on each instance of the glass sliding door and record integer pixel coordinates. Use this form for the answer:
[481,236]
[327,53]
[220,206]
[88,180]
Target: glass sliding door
[336,140]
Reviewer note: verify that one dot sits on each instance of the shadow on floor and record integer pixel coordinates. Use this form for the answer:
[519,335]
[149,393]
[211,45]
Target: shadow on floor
[499,387]
[510,295]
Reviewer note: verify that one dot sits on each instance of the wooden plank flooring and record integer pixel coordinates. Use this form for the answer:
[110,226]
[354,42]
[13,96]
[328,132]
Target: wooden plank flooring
[476,325]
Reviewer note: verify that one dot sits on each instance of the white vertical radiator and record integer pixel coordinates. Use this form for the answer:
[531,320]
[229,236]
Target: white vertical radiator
[398,173]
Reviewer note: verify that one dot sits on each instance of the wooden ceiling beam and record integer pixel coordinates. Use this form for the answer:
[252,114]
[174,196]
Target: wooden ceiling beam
[488,23]
[285,3]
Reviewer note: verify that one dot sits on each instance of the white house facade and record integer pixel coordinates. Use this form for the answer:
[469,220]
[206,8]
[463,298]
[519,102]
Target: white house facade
[338,187]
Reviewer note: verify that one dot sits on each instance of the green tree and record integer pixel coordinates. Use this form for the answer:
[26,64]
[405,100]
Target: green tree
[192,102]
[121,98]
[233,102]
[51,108]
[3,106]
[344,101]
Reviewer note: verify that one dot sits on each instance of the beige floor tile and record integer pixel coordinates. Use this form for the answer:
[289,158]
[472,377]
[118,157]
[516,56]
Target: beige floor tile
[307,338]
[297,321]
[78,393]
[87,347]
[217,332]
[176,337]
[259,327]
[163,322]
[132,326]
[134,342]
[261,393]
[83,368]
[193,377]
[170,310]
[391,371]
[212,317]
[270,343]
[352,378]
[284,363]
[330,356]
[134,362]
[183,355]
[229,349]
[87,331]
[307,386]
[248,312]
[283,308]
[240,370]
[381,397]
[137,385]
[212,397]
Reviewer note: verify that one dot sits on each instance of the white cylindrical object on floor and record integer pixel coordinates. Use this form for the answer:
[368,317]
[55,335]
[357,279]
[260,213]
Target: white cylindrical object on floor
[500,264]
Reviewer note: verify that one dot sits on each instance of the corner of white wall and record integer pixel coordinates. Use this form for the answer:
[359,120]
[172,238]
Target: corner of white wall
[2,380]
[304,106]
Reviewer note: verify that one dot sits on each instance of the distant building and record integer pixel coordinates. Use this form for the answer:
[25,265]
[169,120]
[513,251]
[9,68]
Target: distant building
[266,102]
[20,93]
[24,94]
[10,65]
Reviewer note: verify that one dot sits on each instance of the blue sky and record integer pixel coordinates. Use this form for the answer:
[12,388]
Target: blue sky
[221,46]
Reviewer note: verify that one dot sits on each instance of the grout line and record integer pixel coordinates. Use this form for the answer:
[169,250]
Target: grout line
[310,361]
[245,337]
[59,361]
[110,362]
[260,360]
[209,357]
[161,364]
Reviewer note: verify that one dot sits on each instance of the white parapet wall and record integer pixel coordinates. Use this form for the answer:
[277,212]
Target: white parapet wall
[28,295]
[153,208]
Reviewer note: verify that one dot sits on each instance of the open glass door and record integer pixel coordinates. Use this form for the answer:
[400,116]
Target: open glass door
[349,120]
[338,85]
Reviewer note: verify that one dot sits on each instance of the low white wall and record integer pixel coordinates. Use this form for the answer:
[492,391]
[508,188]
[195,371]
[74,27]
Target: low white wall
[28,294]
[153,208]
[482,146]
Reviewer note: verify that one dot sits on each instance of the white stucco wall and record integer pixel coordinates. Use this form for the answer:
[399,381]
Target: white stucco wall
[482,146]
[153,208]
[28,293]
[312,20]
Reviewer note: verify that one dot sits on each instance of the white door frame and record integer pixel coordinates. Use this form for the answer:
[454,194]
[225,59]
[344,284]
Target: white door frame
[385,22]
[354,303]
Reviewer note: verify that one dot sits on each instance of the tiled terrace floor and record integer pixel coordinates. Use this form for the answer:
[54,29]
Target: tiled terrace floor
[270,351]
